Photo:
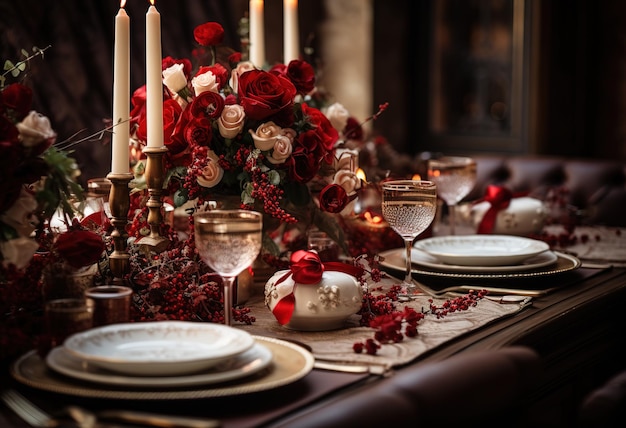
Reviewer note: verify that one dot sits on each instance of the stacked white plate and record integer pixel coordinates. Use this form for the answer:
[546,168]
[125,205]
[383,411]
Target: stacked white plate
[482,250]
[163,353]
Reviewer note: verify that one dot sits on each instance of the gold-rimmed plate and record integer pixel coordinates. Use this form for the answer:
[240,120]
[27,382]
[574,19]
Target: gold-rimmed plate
[290,363]
[395,260]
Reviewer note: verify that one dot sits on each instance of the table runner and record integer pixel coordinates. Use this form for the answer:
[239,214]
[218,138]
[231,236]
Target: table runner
[595,243]
[336,345]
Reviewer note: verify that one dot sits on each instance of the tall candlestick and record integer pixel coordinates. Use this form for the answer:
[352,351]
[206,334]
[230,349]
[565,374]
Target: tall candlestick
[154,78]
[120,162]
[291,37]
[257,33]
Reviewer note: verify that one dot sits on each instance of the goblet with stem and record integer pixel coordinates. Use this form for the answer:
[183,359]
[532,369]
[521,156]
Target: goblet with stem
[409,206]
[455,177]
[228,241]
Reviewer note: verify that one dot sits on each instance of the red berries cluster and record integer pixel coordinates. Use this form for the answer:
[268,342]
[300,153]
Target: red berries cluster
[392,325]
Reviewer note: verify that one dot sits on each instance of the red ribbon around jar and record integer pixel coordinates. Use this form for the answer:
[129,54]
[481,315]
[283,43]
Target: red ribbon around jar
[499,197]
[307,268]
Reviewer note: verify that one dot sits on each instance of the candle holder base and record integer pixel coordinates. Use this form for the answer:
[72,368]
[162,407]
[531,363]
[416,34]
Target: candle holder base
[119,203]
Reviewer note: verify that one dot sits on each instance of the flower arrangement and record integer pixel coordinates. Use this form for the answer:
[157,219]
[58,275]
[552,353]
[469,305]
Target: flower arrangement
[232,129]
[38,182]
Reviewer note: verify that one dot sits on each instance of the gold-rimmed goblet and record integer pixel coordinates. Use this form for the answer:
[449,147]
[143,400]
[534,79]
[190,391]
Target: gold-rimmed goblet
[409,206]
[455,177]
[228,241]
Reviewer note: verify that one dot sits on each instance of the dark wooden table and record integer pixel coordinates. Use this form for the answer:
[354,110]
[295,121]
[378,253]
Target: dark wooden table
[578,330]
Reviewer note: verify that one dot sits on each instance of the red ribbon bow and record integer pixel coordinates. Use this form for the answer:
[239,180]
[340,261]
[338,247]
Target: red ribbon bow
[500,198]
[307,268]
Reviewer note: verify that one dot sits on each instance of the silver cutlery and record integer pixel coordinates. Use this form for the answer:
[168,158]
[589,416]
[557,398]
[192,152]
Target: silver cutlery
[84,418]
[513,295]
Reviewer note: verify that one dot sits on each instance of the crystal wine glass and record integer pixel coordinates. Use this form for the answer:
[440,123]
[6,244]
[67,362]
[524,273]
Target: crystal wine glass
[455,177]
[228,241]
[409,206]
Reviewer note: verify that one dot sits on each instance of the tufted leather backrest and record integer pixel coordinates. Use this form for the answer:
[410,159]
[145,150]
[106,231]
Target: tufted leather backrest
[597,188]
[469,389]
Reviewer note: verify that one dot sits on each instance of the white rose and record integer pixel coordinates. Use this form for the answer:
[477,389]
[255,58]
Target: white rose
[18,251]
[174,78]
[212,173]
[348,180]
[35,129]
[20,216]
[283,146]
[205,82]
[241,68]
[338,116]
[231,121]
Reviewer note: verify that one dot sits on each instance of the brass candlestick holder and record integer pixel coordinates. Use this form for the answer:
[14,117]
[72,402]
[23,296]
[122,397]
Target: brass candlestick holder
[154,179]
[119,203]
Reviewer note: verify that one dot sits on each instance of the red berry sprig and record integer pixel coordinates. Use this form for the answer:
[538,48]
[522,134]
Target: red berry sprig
[393,326]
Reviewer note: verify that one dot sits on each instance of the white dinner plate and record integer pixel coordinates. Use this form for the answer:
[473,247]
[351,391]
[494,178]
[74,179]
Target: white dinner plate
[158,348]
[424,259]
[482,250]
[290,363]
[247,363]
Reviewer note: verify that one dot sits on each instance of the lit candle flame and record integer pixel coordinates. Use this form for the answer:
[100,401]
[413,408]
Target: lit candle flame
[372,218]
[152,2]
[416,177]
[361,175]
[122,3]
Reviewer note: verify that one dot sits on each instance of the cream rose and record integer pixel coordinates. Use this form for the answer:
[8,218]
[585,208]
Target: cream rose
[265,135]
[338,116]
[241,68]
[205,82]
[346,159]
[35,129]
[20,216]
[283,146]
[212,173]
[174,78]
[231,121]
[348,180]
[18,251]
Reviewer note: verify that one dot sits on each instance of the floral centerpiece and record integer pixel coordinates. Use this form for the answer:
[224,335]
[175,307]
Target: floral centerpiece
[234,130]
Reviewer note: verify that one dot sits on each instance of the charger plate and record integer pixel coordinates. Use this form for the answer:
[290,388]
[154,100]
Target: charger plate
[290,363]
[394,259]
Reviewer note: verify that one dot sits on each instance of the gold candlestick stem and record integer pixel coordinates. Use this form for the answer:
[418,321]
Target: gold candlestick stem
[119,203]
[154,180]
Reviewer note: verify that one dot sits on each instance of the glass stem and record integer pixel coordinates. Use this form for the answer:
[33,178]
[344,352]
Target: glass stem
[452,215]
[408,278]
[227,282]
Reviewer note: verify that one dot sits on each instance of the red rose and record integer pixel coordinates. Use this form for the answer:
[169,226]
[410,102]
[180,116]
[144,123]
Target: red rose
[264,95]
[303,164]
[302,75]
[333,198]
[322,127]
[209,34]
[234,58]
[79,247]
[199,132]
[207,104]
[353,130]
[17,99]
[138,113]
